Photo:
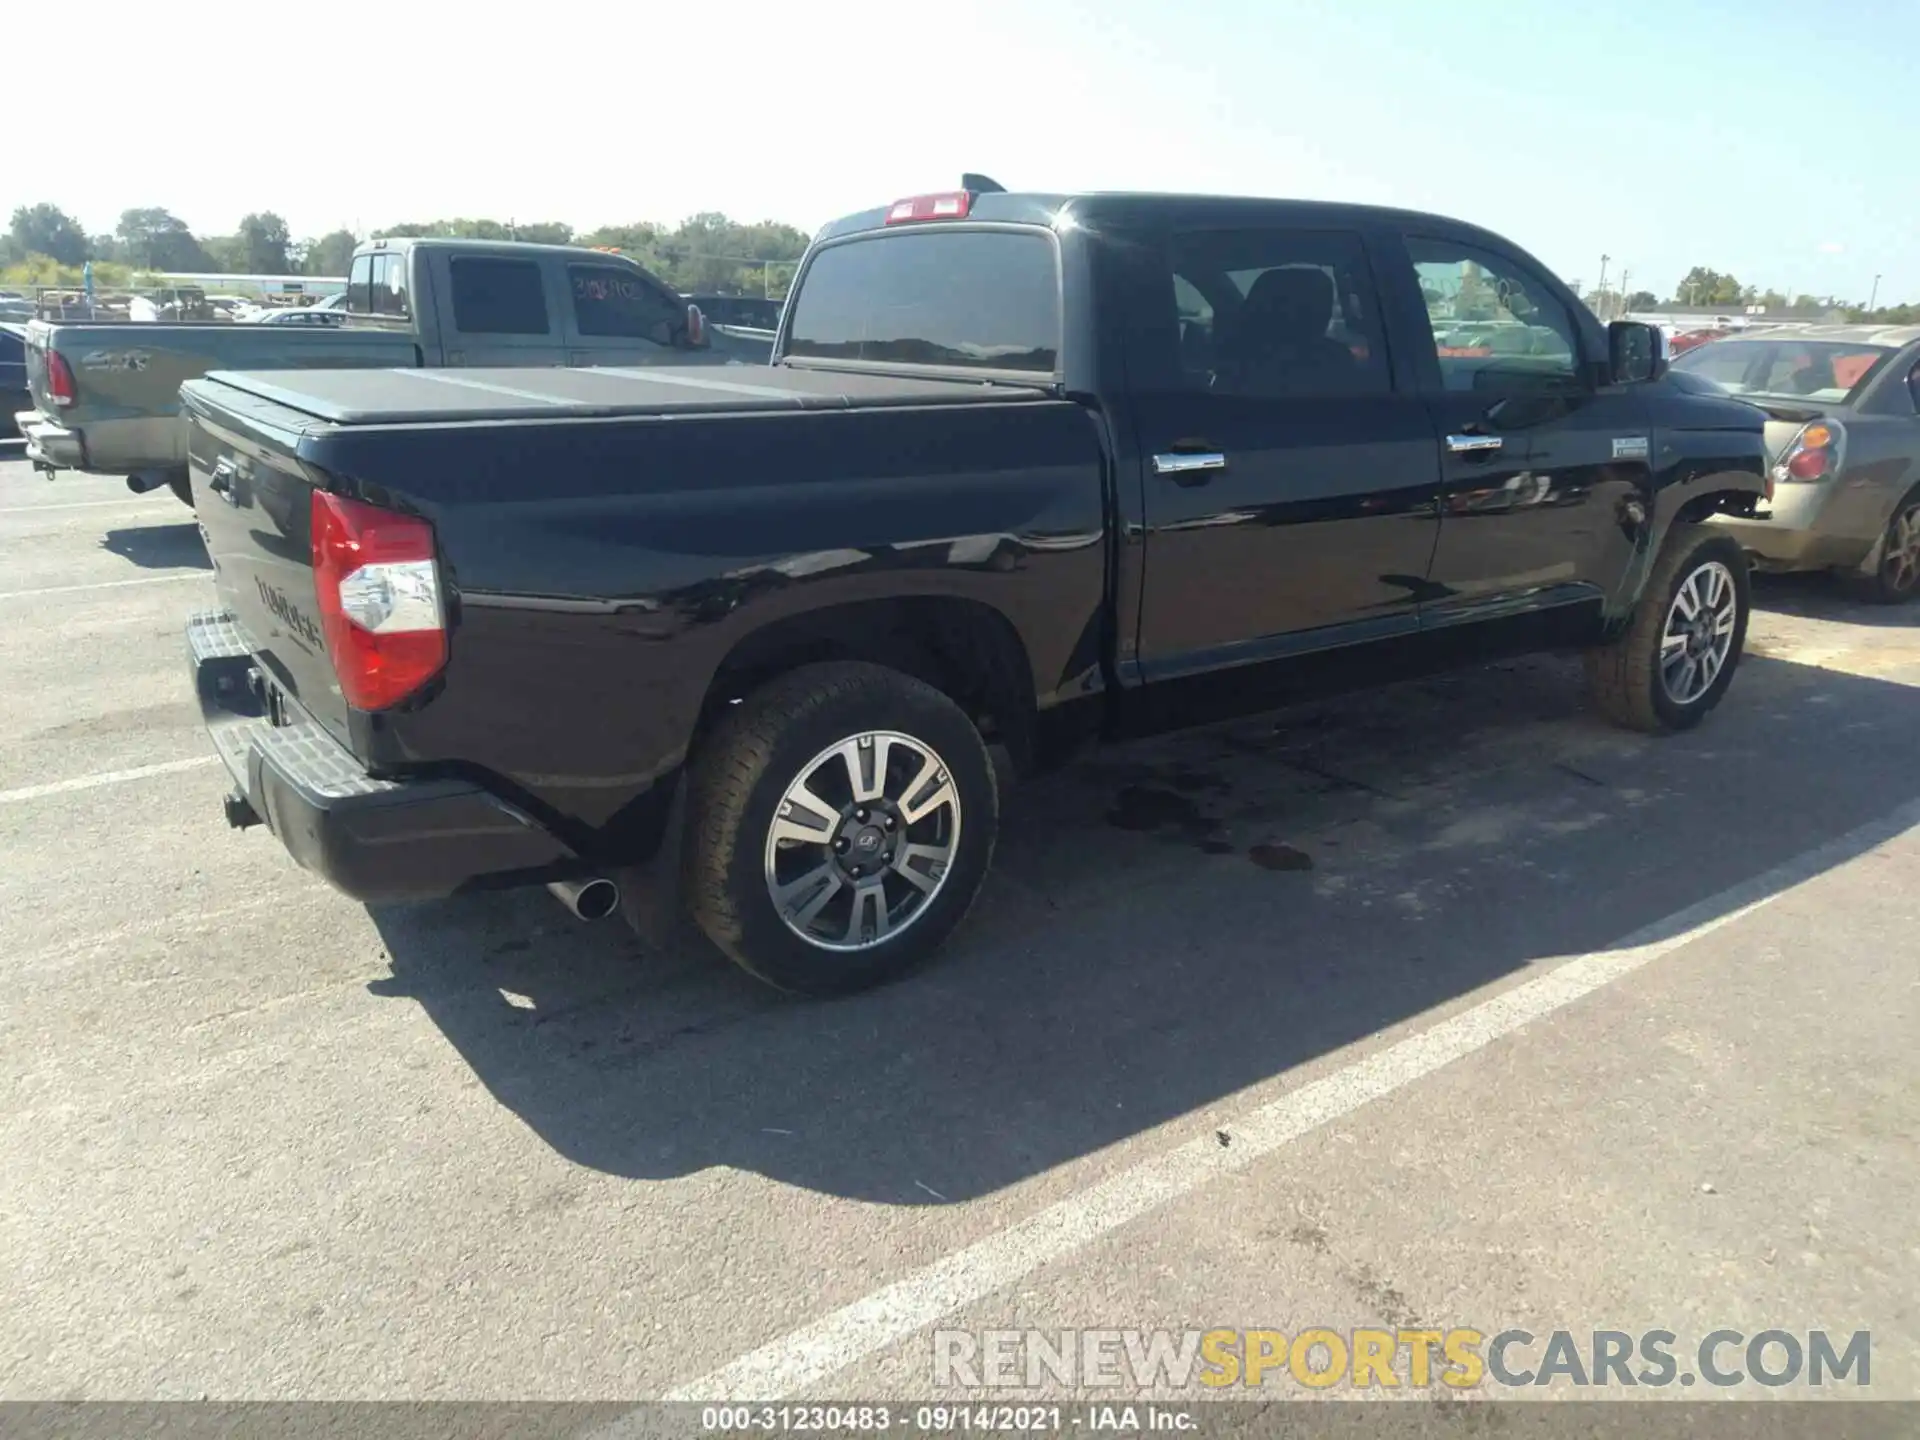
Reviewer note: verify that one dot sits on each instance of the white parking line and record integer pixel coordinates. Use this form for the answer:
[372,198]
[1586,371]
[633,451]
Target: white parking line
[107,777]
[104,585]
[810,1354]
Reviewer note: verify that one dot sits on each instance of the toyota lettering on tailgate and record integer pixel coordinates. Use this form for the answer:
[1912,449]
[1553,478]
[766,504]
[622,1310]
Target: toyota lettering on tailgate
[298,623]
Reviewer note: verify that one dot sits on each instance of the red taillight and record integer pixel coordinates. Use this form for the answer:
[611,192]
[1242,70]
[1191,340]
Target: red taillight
[379,592]
[60,387]
[1808,465]
[950,205]
[1813,454]
[696,327]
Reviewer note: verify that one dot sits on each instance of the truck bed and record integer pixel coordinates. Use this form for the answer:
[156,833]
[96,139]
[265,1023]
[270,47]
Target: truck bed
[126,417]
[606,537]
[417,397]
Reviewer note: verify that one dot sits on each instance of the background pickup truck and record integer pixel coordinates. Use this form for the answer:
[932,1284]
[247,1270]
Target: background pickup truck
[105,397]
[1028,470]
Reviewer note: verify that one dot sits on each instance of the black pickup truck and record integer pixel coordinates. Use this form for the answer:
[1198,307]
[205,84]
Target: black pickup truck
[1027,470]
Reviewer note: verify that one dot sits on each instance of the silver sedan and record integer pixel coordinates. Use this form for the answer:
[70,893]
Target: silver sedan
[1843,441]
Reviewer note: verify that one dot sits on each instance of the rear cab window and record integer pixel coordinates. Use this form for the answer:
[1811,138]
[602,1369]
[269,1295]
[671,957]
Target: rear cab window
[360,286]
[978,299]
[1823,371]
[389,287]
[377,286]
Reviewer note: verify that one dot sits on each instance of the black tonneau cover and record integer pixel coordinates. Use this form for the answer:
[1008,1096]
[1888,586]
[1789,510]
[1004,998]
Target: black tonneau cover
[406,397]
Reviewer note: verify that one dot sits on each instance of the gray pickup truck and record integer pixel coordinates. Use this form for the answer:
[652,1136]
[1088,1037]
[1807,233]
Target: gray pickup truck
[105,398]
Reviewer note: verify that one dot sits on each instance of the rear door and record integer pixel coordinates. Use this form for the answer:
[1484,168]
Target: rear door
[1539,454]
[1290,470]
[616,315]
[499,310]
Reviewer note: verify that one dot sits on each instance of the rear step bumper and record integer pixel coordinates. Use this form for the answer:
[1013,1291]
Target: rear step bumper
[50,446]
[377,840]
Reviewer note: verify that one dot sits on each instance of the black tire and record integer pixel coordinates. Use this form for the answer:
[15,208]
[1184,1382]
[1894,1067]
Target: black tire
[1896,580]
[182,489]
[1625,675]
[770,741]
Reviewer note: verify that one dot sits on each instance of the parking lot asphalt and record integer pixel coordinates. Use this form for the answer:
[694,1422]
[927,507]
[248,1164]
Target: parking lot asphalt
[1441,1006]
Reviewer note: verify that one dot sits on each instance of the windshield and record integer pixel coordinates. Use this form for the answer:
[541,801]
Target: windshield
[1822,370]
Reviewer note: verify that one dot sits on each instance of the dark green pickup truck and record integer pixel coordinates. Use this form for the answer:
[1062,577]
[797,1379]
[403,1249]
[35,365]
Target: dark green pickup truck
[105,398]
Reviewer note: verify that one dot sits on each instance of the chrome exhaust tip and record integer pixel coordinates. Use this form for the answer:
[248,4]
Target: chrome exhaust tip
[593,899]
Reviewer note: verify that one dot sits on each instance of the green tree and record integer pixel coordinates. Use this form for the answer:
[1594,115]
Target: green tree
[1643,300]
[709,253]
[540,232]
[1702,286]
[226,253]
[50,231]
[331,254]
[156,239]
[638,239]
[263,240]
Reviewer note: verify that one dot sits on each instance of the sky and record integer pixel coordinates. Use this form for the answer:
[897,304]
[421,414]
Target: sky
[1763,138]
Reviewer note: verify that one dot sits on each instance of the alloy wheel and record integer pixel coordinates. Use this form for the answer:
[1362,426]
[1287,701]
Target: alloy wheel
[1901,565]
[862,840]
[1699,632]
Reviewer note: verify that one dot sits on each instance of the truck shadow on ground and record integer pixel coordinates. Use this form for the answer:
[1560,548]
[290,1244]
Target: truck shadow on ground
[159,547]
[1168,924]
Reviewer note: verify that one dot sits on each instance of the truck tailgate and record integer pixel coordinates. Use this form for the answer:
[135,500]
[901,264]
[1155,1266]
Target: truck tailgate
[254,503]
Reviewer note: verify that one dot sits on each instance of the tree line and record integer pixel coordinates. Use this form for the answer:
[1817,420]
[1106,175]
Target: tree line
[706,253]
[1705,286]
[709,252]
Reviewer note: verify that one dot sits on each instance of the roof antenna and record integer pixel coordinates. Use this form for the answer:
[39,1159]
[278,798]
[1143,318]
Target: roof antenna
[981,185]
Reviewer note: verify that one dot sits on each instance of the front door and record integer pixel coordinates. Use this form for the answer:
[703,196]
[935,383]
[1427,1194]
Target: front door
[1546,466]
[1290,474]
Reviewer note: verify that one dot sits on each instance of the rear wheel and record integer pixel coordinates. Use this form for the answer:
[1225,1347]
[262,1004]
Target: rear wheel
[1676,659]
[840,824]
[1898,578]
[182,489]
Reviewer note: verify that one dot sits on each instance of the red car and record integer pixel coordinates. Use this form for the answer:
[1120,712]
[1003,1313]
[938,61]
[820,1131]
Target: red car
[1690,339]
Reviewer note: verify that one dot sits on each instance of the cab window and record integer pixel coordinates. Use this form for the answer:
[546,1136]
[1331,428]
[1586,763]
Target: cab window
[615,302]
[1277,312]
[498,297]
[1496,324]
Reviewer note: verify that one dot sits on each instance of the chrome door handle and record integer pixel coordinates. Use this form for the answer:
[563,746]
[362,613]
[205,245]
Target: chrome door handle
[1473,444]
[1182,464]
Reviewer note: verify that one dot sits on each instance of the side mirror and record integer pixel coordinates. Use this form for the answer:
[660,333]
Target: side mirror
[1636,353]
